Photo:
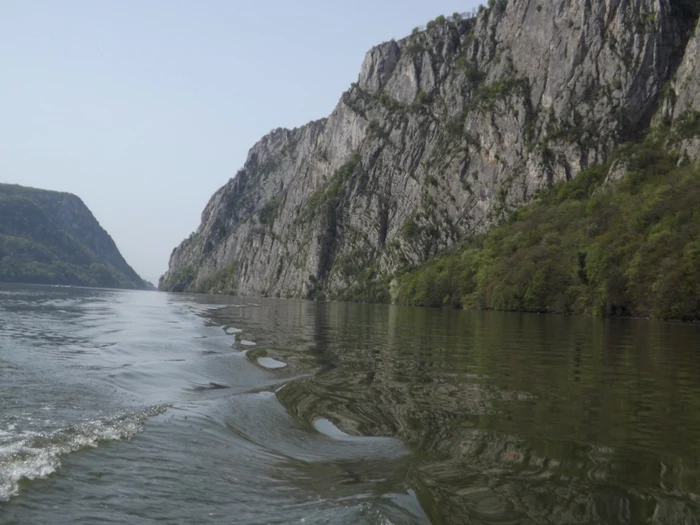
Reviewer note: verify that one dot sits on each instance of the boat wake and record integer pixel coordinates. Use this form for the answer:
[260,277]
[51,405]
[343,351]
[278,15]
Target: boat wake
[31,455]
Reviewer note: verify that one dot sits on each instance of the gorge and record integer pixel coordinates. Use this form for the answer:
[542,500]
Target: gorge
[462,127]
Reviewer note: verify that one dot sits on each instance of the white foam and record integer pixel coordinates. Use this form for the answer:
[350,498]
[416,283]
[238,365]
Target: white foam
[38,455]
[326,427]
[268,362]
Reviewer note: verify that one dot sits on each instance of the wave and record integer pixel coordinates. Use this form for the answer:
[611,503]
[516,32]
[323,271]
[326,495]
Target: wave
[38,455]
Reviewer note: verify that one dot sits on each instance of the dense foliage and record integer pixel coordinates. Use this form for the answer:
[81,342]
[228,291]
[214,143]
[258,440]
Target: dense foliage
[33,250]
[586,246]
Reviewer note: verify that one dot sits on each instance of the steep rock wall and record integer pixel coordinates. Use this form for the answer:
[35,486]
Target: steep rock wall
[445,134]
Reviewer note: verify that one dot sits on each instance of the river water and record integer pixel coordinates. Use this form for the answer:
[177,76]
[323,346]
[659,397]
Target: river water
[142,408]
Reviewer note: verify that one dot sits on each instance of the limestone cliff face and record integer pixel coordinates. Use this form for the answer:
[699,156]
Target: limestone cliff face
[684,95]
[686,85]
[445,133]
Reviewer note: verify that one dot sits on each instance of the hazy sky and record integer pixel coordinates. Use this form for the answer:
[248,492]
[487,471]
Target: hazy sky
[144,108]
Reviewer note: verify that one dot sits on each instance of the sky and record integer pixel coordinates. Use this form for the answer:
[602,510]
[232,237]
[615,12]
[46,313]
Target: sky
[144,108]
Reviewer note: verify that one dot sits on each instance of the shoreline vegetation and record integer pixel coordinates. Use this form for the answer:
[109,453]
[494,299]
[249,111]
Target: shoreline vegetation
[629,248]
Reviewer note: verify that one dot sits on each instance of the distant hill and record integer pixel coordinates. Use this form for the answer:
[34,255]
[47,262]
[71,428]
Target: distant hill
[48,237]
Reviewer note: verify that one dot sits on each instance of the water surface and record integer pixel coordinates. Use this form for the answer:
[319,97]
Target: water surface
[141,408]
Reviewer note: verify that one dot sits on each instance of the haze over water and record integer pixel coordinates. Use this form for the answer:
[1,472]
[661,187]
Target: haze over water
[140,408]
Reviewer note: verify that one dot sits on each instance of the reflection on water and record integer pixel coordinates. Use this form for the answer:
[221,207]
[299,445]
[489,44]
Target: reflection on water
[510,418]
[283,411]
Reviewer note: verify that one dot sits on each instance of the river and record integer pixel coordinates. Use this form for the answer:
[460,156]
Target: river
[141,408]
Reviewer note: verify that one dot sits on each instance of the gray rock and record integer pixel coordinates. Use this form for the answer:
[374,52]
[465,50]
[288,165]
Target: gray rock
[687,83]
[446,133]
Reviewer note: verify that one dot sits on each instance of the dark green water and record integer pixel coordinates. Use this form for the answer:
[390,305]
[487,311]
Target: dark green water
[134,407]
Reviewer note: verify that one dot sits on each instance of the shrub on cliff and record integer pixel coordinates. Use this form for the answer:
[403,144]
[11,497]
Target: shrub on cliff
[631,248]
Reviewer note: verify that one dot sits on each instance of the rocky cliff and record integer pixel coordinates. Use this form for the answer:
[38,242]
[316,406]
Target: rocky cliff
[445,134]
[49,237]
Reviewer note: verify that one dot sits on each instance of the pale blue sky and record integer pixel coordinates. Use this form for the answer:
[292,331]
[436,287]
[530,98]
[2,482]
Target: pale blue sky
[144,108]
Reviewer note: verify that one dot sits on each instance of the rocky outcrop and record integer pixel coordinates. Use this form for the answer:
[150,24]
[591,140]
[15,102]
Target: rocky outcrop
[685,98]
[49,237]
[687,82]
[445,134]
